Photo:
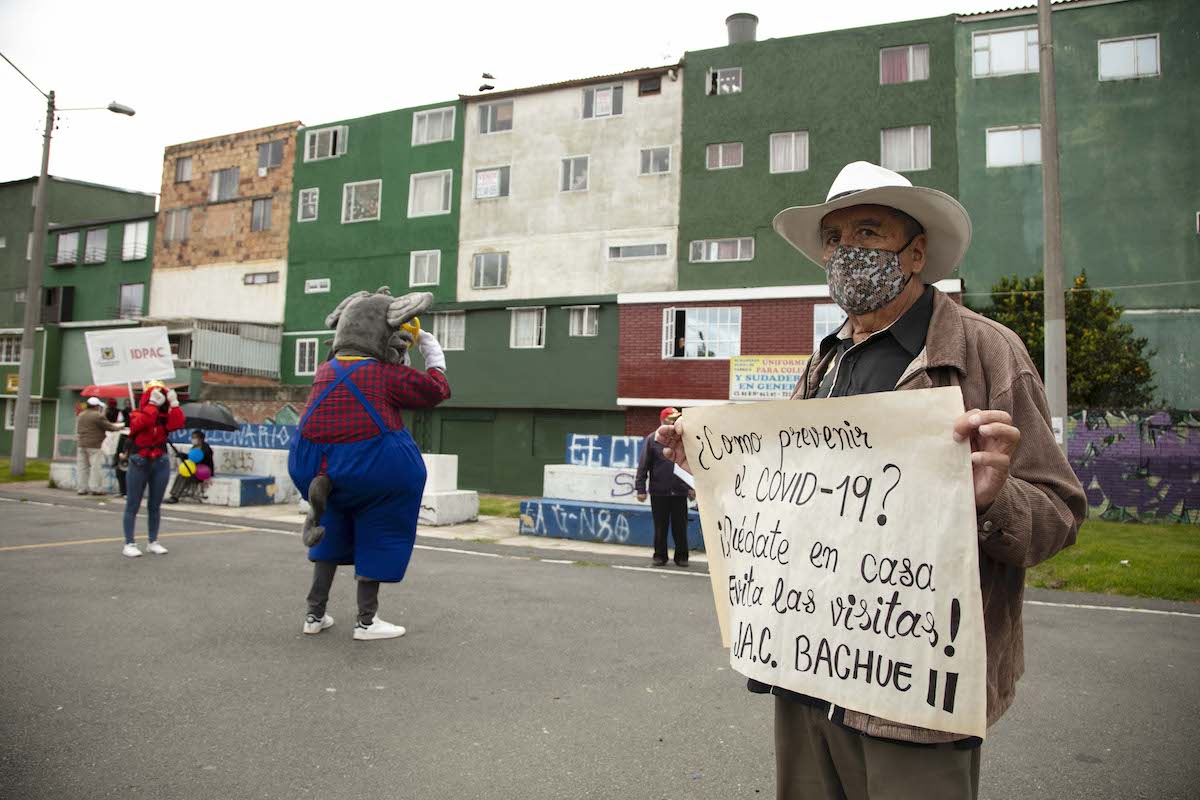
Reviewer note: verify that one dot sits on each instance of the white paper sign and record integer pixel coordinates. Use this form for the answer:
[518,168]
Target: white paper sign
[124,355]
[841,541]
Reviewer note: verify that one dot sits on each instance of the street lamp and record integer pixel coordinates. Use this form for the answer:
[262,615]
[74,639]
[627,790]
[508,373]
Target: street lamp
[33,289]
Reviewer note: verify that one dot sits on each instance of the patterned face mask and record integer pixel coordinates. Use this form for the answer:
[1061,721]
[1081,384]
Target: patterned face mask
[862,280]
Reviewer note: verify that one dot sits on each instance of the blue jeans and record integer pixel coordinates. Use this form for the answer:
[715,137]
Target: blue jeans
[145,472]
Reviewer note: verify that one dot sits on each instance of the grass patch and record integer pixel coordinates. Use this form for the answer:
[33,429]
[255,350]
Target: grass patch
[499,505]
[1164,562]
[34,471]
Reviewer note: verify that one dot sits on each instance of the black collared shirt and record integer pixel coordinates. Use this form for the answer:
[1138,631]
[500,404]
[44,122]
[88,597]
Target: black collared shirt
[876,364]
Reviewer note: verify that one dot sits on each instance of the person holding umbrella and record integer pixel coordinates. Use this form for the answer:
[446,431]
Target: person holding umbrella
[157,415]
[182,483]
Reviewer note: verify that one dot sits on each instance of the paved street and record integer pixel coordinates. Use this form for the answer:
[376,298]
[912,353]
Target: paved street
[565,676]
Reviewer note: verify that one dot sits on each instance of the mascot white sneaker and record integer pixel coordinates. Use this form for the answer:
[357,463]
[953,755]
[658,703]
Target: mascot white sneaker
[354,461]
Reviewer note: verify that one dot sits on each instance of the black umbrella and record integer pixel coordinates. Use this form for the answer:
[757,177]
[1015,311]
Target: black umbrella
[208,417]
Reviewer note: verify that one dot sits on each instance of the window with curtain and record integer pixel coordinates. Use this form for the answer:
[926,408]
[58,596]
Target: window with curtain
[789,151]
[527,328]
[827,318]
[496,117]
[429,193]
[423,267]
[602,101]
[307,207]
[322,143]
[905,149]
[178,225]
[655,161]
[95,248]
[361,201]
[132,296]
[183,169]
[450,329]
[435,125]
[574,174]
[1133,57]
[1011,147]
[224,185]
[726,155]
[722,250]
[270,154]
[490,271]
[68,248]
[491,182]
[1004,52]
[584,321]
[260,215]
[136,241]
[306,357]
[904,64]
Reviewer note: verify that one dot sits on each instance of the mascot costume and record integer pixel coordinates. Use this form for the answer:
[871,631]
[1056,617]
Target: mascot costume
[354,461]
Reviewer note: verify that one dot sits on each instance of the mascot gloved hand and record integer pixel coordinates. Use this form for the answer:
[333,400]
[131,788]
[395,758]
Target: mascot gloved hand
[354,461]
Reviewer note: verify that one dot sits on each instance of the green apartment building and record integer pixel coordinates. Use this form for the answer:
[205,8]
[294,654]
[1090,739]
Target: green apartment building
[375,204]
[97,216]
[1126,75]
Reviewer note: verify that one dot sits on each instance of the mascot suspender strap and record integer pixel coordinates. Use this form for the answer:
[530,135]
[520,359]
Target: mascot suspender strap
[343,374]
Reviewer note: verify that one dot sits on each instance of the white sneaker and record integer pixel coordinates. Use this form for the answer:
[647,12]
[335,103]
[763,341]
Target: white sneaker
[131,550]
[314,625]
[157,549]
[378,629]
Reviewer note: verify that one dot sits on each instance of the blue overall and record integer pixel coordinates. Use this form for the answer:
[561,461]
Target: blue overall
[371,518]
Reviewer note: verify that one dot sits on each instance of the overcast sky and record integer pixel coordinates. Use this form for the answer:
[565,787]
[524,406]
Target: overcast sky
[199,69]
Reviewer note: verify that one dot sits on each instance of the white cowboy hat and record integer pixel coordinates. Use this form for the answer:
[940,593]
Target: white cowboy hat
[945,220]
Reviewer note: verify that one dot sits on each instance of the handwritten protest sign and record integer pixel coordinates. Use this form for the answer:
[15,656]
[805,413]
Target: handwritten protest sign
[841,540]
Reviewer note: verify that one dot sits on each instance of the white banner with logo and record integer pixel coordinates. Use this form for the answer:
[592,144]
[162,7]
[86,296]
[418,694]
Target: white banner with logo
[125,355]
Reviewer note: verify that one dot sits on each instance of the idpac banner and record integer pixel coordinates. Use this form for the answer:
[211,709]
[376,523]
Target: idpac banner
[125,355]
[764,377]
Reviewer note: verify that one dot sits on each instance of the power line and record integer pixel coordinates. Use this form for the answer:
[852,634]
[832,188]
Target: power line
[23,75]
[1087,289]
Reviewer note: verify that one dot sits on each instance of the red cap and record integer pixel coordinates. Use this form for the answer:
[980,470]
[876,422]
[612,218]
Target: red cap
[668,412]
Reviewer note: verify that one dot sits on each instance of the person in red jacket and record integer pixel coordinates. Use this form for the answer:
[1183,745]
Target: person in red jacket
[158,414]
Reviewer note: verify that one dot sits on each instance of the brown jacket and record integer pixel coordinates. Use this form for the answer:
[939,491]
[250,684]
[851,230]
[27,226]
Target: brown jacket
[90,427]
[1037,512]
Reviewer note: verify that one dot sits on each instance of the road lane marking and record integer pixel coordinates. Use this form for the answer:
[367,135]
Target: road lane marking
[1129,609]
[110,540]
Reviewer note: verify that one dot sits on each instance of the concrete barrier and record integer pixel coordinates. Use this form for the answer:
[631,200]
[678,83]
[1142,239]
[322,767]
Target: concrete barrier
[64,475]
[258,462]
[593,484]
[597,522]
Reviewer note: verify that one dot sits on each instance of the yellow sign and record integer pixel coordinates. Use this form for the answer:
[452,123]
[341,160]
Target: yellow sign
[764,377]
[10,382]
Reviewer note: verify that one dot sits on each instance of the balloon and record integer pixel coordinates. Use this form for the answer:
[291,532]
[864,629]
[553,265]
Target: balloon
[196,454]
[188,468]
[203,473]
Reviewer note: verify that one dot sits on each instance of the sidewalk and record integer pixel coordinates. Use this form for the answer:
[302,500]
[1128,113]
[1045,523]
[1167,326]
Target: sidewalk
[487,530]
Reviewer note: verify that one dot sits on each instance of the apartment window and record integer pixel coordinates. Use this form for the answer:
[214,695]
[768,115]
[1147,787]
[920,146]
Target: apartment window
[429,193]
[654,250]
[136,240]
[789,151]
[316,286]
[260,215]
[602,101]
[323,143]
[725,81]
[450,329]
[741,249]
[490,271]
[574,174]
[306,356]
[361,201]
[1011,147]
[827,318]
[496,117]
[95,248]
[702,332]
[435,125]
[224,185]
[904,149]
[585,321]
[1131,57]
[68,248]
[527,328]
[424,267]
[178,225]
[650,86]
[904,64]
[260,278]
[183,169]
[132,297]
[19,296]
[491,182]
[270,154]
[35,415]
[306,209]
[727,155]
[655,161]
[10,349]
[1005,52]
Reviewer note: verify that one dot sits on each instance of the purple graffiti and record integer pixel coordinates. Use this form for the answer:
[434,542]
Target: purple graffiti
[1137,467]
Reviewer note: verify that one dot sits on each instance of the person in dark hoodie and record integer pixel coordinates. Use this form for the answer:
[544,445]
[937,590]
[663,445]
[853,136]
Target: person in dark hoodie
[157,415]
[668,496]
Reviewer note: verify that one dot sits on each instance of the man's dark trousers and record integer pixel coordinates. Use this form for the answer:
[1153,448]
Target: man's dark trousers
[672,511]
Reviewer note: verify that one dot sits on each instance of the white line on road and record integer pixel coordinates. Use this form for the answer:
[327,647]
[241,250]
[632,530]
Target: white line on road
[1112,608]
[661,571]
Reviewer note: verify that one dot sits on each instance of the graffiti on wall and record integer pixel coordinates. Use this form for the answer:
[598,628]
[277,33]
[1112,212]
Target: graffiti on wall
[595,450]
[1138,467]
[266,437]
[574,522]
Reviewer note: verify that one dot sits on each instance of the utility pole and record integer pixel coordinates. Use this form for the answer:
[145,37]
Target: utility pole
[33,301]
[1055,310]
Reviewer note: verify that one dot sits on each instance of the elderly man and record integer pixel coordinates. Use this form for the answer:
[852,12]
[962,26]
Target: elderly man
[90,427]
[883,242]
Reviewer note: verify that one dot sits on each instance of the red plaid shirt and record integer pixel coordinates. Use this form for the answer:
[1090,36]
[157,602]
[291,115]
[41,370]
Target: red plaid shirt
[388,387]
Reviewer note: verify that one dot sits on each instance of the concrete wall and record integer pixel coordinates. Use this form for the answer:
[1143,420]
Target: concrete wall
[557,241]
[591,484]
[218,291]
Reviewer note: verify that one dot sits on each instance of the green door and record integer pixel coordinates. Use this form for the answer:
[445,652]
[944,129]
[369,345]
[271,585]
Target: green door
[471,441]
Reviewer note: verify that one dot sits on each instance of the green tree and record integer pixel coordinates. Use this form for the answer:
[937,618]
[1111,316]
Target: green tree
[1107,366]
